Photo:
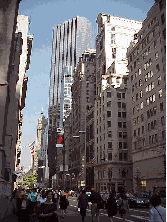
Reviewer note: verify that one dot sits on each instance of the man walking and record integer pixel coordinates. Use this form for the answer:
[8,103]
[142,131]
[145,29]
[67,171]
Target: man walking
[83,203]
[96,201]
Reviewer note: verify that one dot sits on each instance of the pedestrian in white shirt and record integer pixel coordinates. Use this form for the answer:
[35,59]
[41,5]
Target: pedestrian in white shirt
[157,212]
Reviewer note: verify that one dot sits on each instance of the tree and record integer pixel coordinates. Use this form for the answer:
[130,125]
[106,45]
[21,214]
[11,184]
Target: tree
[138,178]
[29,180]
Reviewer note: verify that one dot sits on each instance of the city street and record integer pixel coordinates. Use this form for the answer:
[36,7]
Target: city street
[136,214]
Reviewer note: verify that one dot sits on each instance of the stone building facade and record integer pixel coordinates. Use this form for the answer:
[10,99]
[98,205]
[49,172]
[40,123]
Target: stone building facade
[83,95]
[147,87]
[14,63]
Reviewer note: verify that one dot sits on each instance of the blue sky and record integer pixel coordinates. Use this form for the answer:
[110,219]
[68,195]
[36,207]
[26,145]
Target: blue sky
[44,16]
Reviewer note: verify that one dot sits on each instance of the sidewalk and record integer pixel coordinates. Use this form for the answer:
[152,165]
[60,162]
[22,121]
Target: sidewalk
[10,215]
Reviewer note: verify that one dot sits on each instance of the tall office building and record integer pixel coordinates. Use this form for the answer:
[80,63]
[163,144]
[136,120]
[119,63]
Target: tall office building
[147,87]
[70,39]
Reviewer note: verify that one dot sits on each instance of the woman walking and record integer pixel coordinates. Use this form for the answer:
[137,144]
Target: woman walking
[123,205]
[82,204]
[111,206]
[157,212]
[63,204]
[47,211]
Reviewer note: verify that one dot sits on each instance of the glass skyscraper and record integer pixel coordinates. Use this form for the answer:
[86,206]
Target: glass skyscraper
[70,39]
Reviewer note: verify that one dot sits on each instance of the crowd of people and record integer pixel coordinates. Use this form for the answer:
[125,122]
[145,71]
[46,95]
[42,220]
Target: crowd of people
[48,204]
[41,203]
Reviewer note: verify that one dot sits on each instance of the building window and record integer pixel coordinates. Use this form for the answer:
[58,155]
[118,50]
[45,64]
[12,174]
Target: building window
[149,139]
[124,124]
[131,78]
[119,95]
[148,126]
[154,33]
[155,44]
[87,99]
[141,94]
[159,80]
[136,96]
[163,135]
[157,68]
[120,145]
[138,121]
[120,156]
[141,105]
[135,145]
[120,134]
[161,106]
[142,129]
[123,95]
[125,145]
[154,110]
[164,34]
[109,134]
[142,117]
[119,114]
[160,93]
[108,123]
[123,114]
[108,94]
[108,113]
[109,144]
[109,156]
[162,120]
[133,88]
[138,131]
[119,104]
[140,82]
[134,121]
[134,133]
[133,110]
[125,156]
[156,138]
[124,135]
[109,104]
[120,124]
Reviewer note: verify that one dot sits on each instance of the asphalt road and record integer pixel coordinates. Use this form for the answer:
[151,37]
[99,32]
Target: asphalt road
[136,214]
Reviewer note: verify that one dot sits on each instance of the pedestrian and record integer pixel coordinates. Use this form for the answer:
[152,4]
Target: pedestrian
[96,204]
[33,197]
[47,211]
[83,204]
[104,198]
[157,212]
[123,205]
[56,198]
[25,209]
[19,199]
[66,193]
[111,206]
[63,204]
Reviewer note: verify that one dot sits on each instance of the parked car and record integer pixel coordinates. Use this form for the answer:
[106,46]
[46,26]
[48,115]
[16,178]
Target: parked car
[138,201]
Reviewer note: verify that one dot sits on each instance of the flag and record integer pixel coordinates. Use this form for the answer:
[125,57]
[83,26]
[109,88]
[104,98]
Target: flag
[31,146]
[92,162]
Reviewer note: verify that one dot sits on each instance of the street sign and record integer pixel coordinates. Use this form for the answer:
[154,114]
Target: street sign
[59,145]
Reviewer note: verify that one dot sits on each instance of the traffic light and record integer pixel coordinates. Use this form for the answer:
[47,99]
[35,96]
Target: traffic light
[60,139]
